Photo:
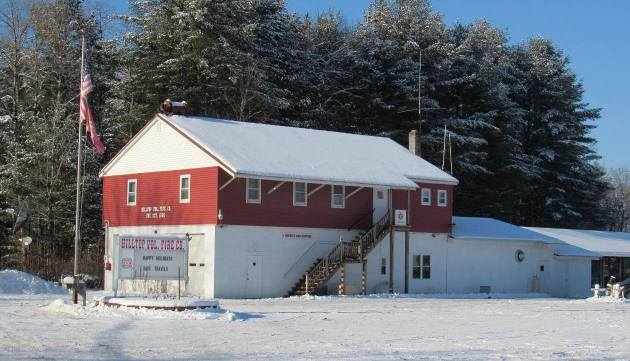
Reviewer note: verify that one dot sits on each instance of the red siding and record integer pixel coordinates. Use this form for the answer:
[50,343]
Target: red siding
[161,189]
[431,219]
[277,209]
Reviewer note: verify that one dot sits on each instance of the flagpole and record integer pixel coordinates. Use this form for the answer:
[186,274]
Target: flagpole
[77,220]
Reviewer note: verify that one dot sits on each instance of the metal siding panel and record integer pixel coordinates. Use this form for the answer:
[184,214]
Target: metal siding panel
[157,189]
[162,148]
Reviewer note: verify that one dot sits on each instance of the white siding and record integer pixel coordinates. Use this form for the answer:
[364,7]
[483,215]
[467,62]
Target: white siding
[161,148]
[284,259]
[461,266]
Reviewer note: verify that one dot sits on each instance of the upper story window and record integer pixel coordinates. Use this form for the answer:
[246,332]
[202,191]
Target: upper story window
[299,194]
[253,190]
[425,196]
[338,198]
[132,190]
[441,198]
[184,188]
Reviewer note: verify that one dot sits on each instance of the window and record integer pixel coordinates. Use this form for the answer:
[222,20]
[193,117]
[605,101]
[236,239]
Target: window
[441,198]
[421,267]
[184,188]
[426,267]
[383,266]
[338,199]
[299,194]
[132,190]
[415,273]
[379,194]
[425,197]
[253,190]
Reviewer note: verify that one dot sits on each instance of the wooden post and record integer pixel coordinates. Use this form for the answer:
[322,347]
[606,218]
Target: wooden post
[362,255]
[306,282]
[407,261]
[363,277]
[342,280]
[391,259]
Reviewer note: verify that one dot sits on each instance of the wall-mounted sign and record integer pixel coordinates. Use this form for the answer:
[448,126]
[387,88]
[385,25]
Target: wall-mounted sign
[152,257]
[400,217]
[155,212]
[296,235]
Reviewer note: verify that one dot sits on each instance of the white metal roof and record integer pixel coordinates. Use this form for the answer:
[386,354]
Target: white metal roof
[288,153]
[607,244]
[574,251]
[490,228]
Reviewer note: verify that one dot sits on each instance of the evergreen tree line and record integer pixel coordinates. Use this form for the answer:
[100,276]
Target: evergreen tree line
[518,124]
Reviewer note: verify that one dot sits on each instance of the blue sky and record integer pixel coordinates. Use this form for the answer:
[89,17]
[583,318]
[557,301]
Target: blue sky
[595,35]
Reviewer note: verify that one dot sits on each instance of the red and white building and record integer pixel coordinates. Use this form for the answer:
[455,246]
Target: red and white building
[266,205]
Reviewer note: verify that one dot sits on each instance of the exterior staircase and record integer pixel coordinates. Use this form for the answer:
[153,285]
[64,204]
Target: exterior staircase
[355,251]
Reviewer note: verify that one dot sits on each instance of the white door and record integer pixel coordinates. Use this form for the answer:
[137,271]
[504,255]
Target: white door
[544,276]
[196,265]
[381,203]
[254,277]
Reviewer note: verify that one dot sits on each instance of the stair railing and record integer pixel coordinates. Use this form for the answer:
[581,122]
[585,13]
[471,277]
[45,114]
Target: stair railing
[344,250]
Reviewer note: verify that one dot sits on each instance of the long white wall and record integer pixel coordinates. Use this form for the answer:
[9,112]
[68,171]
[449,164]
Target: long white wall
[282,256]
[463,265]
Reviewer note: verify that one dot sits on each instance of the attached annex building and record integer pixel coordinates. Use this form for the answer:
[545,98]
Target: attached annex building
[274,210]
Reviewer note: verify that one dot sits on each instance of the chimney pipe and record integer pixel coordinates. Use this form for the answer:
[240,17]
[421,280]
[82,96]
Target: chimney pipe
[414,143]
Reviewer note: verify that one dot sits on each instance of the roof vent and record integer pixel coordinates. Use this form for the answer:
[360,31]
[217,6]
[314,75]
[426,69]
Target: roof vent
[169,107]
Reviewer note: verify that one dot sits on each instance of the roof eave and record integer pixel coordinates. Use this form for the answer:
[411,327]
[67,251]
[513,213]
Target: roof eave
[280,178]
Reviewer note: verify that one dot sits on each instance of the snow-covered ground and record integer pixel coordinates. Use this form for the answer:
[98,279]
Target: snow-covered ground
[37,322]
[370,328]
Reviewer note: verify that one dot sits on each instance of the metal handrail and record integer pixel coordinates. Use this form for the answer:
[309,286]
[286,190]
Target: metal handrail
[303,256]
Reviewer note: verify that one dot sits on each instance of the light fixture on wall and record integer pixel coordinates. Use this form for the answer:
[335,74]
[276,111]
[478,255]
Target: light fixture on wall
[220,217]
[520,255]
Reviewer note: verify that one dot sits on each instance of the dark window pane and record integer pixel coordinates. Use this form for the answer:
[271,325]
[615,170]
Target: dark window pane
[426,261]
[416,261]
[426,272]
[416,272]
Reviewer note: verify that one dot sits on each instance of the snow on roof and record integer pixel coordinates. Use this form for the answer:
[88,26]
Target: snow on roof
[574,251]
[490,228]
[280,152]
[607,244]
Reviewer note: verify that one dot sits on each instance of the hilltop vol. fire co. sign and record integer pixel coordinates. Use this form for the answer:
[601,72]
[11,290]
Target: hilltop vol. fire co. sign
[152,257]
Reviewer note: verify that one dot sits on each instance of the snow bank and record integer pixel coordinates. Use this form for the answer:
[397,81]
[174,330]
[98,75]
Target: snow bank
[101,311]
[17,282]
[475,296]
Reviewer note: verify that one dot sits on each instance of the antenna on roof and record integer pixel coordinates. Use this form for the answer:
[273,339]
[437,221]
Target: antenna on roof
[447,134]
[419,100]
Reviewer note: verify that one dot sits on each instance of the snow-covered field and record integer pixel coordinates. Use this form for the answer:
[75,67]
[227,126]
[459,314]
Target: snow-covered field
[365,328]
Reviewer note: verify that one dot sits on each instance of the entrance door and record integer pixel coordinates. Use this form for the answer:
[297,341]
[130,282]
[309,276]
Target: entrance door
[254,277]
[544,276]
[381,203]
[196,265]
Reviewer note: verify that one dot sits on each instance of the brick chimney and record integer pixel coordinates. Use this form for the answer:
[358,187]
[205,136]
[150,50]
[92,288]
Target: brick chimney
[414,143]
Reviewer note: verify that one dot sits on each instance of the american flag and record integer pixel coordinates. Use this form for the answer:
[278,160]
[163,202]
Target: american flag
[85,113]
